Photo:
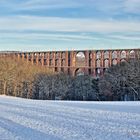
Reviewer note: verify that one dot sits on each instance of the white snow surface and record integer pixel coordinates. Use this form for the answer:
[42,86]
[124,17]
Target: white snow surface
[24,119]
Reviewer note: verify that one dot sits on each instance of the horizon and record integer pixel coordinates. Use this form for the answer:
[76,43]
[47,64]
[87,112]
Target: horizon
[80,50]
[58,25]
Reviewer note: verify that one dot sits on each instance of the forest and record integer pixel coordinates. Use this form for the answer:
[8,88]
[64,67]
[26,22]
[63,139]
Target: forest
[120,82]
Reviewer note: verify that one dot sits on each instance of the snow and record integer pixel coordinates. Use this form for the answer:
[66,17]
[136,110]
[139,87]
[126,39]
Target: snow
[24,119]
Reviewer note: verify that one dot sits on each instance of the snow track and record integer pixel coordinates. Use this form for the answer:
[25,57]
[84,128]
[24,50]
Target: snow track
[23,119]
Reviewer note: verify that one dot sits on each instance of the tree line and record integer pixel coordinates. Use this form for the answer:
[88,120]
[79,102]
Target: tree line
[120,82]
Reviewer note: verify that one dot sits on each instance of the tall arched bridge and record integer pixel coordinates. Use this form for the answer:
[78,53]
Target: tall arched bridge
[92,62]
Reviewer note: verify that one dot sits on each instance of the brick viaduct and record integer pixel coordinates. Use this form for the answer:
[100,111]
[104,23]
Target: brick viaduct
[93,62]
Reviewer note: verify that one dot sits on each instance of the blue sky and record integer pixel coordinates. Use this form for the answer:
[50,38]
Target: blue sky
[42,25]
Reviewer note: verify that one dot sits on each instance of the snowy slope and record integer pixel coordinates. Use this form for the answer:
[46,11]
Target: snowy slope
[23,119]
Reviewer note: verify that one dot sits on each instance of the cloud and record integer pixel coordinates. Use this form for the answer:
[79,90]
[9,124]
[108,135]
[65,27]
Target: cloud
[132,6]
[45,36]
[26,36]
[104,23]
[66,24]
[95,9]
[124,37]
[30,5]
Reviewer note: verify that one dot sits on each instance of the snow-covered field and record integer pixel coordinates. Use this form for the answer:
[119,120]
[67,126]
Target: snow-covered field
[23,119]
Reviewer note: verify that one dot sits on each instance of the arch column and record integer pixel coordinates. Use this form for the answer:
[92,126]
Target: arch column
[42,59]
[32,58]
[94,63]
[72,63]
[18,56]
[66,62]
[86,62]
[23,56]
[48,59]
[118,57]
[127,54]
[59,62]
[110,58]
[102,63]
[27,57]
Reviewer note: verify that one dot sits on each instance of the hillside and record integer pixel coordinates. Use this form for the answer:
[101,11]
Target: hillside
[23,119]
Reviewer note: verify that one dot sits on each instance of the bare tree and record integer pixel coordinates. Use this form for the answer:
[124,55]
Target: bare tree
[122,81]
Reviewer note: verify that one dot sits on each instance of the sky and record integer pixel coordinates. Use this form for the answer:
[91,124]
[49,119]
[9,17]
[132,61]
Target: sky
[44,25]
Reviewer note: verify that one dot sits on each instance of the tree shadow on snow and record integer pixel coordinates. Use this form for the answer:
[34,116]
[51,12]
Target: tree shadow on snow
[24,132]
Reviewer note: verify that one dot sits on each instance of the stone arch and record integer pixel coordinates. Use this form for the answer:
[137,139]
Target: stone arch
[114,54]
[132,54]
[80,59]
[98,72]
[123,54]
[29,56]
[90,55]
[98,63]
[56,62]
[114,61]
[50,62]
[123,60]
[63,61]
[80,55]
[56,55]
[79,72]
[45,62]
[98,55]
[106,63]
[51,55]
[63,55]
[24,55]
[106,54]
[45,55]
